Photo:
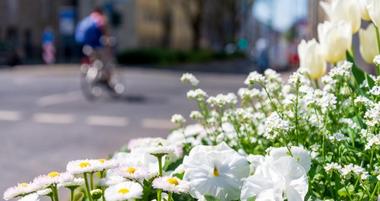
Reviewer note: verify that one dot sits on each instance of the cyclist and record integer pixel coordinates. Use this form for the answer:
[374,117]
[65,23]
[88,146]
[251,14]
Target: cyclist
[92,34]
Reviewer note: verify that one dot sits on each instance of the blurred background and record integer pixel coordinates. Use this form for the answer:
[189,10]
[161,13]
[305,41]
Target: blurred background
[46,119]
[163,32]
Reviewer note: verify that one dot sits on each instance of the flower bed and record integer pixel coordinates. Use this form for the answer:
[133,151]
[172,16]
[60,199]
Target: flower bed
[312,137]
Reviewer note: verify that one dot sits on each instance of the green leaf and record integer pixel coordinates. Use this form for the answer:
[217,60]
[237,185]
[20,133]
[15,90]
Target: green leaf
[359,75]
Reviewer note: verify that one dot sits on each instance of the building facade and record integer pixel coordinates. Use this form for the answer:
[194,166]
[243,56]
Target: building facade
[142,22]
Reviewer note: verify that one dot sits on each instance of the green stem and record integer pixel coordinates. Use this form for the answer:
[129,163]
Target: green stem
[88,191]
[170,196]
[91,180]
[103,198]
[159,166]
[378,46]
[51,197]
[72,194]
[159,192]
[55,192]
[371,160]
[374,190]
[296,112]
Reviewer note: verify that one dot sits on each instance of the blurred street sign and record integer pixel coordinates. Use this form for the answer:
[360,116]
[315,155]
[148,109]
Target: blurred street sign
[67,21]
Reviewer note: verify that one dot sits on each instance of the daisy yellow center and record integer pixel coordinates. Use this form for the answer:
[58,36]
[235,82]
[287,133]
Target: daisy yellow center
[123,191]
[53,174]
[131,170]
[23,184]
[84,164]
[215,172]
[173,181]
[102,161]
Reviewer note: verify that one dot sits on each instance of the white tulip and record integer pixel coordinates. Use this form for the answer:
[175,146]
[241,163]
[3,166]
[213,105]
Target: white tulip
[373,8]
[363,7]
[311,58]
[346,10]
[368,41]
[335,39]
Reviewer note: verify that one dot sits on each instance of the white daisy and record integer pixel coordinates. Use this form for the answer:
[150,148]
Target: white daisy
[19,190]
[44,192]
[44,181]
[171,184]
[30,197]
[75,182]
[215,170]
[81,166]
[111,180]
[103,164]
[136,165]
[123,191]
[135,172]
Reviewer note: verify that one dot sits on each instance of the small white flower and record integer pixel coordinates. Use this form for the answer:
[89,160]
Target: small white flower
[44,192]
[274,125]
[332,166]
[178,119]
[254,78]
[373,141]
[20,190]
[222,100]
[196,115]
[375,91]
[171,184]
[188,78]
[111,179]
[124,191]
[75,182]
[82,166]
[197,94]
[376,60]
[30,197]
[338,137]
[44,181]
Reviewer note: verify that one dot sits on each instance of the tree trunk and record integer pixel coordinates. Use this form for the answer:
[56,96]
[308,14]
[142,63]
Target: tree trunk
[167,21]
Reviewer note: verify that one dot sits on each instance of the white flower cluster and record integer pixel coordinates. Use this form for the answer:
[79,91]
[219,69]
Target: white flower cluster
[189,78]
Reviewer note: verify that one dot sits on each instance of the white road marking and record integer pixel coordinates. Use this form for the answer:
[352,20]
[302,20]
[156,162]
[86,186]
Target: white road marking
[107,121]
[59,98]
[50,118]
[157,123]
[7,115]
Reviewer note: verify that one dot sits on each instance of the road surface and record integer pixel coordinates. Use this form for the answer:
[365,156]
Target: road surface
[45,121]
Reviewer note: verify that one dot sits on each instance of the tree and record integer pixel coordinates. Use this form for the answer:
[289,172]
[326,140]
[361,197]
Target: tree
[167,22]
[193,9]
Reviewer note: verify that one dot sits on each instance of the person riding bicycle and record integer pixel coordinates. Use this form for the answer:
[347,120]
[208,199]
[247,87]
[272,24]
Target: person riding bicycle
[92,34]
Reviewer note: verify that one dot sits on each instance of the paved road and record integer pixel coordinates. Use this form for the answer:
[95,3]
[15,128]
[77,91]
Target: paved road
[45,121]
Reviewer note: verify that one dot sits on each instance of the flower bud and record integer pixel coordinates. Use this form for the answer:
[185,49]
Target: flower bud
[373,8]
[368,49]
[335,39]
[344,10]
[311,59]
